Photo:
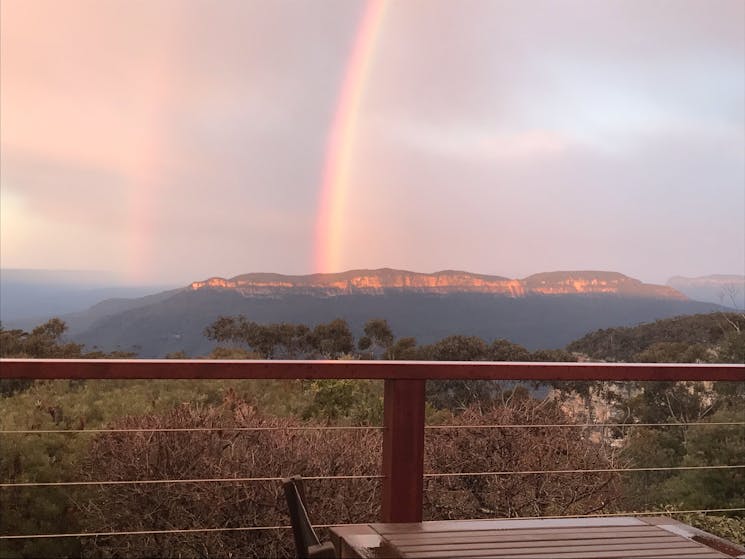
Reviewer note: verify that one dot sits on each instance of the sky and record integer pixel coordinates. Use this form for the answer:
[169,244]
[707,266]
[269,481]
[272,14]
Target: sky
[168,141]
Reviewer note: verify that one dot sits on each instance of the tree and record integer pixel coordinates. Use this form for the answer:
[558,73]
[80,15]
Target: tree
[677,339]
[238,330]
[43,342]
[293,339]
[377,334]
[672,352]
[459,394]
[504,350]
[459,348]
[671,446]
[404,349]
[552,356]
[732,349]
[715,445]
[284,340]
[333,339]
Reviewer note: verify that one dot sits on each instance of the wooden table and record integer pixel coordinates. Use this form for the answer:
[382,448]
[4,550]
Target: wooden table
[532,539]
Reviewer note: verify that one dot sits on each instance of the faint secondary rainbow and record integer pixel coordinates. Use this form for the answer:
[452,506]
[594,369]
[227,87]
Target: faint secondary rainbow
[340,146]
[146,164]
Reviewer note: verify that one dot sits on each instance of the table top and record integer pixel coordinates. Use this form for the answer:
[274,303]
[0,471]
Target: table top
[533,539]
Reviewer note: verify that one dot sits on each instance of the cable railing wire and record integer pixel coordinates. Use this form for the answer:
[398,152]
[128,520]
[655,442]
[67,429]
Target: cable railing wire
[585,471]
[371,476]
[179,481]
[286,527]
[619,514]
[149,532]
[363,428]
[189,429]
[584,425]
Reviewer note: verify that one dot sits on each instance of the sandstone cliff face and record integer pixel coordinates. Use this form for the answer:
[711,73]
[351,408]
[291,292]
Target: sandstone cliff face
[378,282]
[559,283]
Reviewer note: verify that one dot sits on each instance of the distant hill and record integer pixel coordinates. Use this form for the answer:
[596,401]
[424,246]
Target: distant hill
[701,337]
[728,290]
[542,311]
[28,297]
[81,321]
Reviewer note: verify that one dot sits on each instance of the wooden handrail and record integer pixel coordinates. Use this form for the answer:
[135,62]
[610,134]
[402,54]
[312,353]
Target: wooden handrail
[355,369]
[403,434]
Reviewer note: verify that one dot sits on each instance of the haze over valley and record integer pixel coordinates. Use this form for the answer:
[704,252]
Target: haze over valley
[542,311]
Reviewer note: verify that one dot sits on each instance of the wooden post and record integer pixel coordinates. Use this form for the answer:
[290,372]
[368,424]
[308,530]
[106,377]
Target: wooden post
[403,451]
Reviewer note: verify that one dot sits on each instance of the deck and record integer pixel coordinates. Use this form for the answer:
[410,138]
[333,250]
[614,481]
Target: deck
[566,538]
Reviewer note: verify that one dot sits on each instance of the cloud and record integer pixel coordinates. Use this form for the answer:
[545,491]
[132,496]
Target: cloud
[474,142]
[64,191]
[508,137]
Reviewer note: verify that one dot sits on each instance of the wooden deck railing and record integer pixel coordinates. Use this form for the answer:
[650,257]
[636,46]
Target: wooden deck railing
[403,434]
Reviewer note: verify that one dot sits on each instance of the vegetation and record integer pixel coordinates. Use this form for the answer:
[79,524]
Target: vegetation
[287,406]
[172,321]
[52,457]
[225,453]
[328,341]
[43,342]
[715,337]
[228,454]
[335,340]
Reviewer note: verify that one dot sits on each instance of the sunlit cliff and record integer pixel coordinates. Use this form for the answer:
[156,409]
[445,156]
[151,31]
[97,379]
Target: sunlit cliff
[378,282]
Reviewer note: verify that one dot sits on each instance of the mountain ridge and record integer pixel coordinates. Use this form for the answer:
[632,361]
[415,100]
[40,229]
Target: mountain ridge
[383,280]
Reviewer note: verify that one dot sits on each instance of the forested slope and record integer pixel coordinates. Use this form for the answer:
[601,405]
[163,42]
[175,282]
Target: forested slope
[715,337]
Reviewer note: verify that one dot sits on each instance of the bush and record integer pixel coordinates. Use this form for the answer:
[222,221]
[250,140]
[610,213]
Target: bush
[517,449]
[730,528]
[223,454]
[288,448]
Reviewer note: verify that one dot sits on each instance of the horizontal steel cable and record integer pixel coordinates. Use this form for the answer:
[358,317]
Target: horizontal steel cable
[259,528]
[361,428]
[617,514]
[584,425]
[431,475]
[185,430]
[148,532]
[175,481]
[585,471]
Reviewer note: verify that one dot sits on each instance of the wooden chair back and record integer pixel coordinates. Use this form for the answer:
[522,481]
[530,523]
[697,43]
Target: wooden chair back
[307,544]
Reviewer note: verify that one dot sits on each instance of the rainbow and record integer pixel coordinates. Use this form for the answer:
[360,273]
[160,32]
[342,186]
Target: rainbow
[340,145]
[145,171]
